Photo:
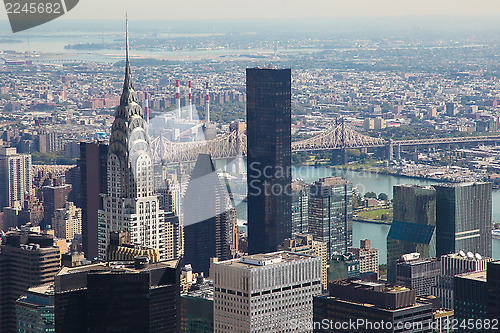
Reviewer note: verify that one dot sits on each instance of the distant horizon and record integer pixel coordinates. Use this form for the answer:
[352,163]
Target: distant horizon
[437,22]
[220,9]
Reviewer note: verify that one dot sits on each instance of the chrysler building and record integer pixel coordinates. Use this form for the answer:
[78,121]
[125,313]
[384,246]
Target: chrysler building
[130,203]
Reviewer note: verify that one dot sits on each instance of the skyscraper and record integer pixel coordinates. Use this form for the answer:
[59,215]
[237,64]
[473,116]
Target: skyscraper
[417,273]
[367,256]
[168,191]
[130,203]
[67,221]
[118,297]
[463,216]
[269,158]
[470,298]
[413,228]
[330,213]
[493,308]
[208,217]
[265,292]
[54,197]
[452,265]
[35,310]
[26,260]
[15,177]
[371,307]
[93,168]
[300,207]
[305,244]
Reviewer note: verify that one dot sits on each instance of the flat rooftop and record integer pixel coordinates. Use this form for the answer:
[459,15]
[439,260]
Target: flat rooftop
[478,276]
[379,286]
[117,266]
[47,289]
[425,187]
[265,259]
[369,305]
[459,184]
[417,261]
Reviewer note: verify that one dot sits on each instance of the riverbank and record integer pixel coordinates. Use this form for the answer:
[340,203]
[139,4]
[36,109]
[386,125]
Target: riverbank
[386,172]
[370,221]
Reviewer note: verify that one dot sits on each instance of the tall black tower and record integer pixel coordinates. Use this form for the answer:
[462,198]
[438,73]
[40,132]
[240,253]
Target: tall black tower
[93,170]
[208,217]
[463,218]
[269,158]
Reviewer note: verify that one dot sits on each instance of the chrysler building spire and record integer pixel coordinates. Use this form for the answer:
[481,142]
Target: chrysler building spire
[128,94]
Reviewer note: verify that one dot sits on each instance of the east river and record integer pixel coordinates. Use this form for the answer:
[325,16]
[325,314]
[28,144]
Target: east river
[371,182]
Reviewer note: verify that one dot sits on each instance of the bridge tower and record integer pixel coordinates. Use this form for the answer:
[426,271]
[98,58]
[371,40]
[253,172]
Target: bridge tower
[343,143]
[398,152]
[390,150]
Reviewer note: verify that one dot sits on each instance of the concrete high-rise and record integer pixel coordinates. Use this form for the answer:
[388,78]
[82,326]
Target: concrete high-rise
[265,292]
[305,244]
[93,168]
[26,260]
[15,177]
[169,198]
[130,203]
[417,273]
[463,216]
[54,197]
[269,158]
[67,221]
[413,228]
[208,217]
[330,213]
[118,297]
[367,256]
[451,109]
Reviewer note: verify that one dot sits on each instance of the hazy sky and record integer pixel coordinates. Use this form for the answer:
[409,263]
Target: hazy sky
[238,9]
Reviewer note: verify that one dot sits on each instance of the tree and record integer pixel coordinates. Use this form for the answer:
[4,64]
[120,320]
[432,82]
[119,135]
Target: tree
[382,269]
[356,201]
[371,195]
[353,153]
[382,196]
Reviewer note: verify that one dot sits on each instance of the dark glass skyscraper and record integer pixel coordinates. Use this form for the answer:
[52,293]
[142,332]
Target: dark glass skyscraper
[300,207]
[93,168]
[413,228]
[493,308]
[269,158]
[118,297]
[330,213]
[463,218]
[208,217]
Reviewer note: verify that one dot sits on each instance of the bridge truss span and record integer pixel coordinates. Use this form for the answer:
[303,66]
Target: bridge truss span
[223,147]
[337,137]
[449,140]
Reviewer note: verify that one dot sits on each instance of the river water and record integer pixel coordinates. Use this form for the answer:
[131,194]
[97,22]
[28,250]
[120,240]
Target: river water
[370,182]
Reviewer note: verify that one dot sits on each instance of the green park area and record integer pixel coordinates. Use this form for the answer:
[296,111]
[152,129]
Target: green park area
[382,214]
